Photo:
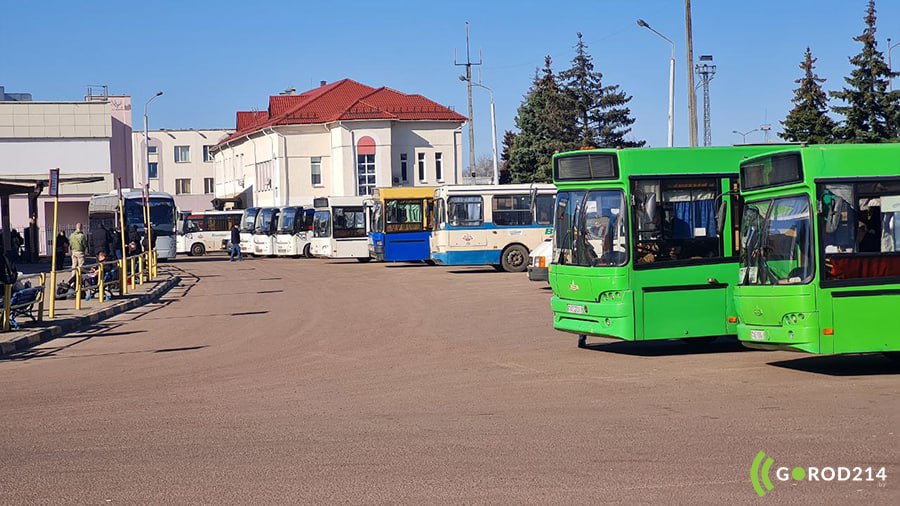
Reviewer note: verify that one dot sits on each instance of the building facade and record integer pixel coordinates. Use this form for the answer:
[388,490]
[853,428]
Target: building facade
[340,139]
[87,140]
[179,162]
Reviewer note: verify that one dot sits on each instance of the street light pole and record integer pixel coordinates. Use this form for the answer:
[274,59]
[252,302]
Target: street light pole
[890,69]
[644,24]
[744,134]
[496,178]
[147,140]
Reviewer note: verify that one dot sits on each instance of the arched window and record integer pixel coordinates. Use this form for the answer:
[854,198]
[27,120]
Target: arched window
[365,165]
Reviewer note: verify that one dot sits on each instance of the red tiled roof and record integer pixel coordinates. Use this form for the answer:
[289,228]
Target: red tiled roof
[342,100]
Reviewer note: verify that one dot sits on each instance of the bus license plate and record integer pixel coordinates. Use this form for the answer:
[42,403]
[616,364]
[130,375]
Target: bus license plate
[758,335]
[577,309]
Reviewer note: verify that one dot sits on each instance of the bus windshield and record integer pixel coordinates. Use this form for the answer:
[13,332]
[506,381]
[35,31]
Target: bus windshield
[776,242]
[286,220]
[162,213]
[349,222]
[249,220]
[322,224]
[264,220]
[403,216]
[590,228]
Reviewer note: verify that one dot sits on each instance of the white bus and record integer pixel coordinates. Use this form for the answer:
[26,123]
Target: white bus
[248,222]
[264,231]
[205,231]
[104,210]
[341,227]
[294,231]
[491,225]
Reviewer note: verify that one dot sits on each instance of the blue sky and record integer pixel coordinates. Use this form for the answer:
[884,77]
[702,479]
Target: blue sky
[214,58]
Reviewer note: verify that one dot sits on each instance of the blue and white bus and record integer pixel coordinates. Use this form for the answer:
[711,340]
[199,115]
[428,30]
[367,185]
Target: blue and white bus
[491,225]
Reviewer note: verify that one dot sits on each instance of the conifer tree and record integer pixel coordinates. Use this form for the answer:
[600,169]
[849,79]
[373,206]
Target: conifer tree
[546,125]
[872,112]
[509,137]
[808,121]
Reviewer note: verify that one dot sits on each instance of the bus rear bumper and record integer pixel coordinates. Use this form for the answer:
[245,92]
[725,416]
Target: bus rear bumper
[780,337]
[603,320]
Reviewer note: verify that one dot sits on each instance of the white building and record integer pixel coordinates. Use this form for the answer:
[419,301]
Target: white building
[87,140]
[180,163]
[340,139]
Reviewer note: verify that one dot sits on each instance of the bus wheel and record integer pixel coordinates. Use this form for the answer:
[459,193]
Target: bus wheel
[582,341]
[364,260]
[306,251]
[514,258]
[198,249]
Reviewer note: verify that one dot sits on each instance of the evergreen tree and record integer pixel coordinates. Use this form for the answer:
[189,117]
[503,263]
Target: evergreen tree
[601,117]
[508,139]
[872,112]
[584,87]
[808,121]
[546,125]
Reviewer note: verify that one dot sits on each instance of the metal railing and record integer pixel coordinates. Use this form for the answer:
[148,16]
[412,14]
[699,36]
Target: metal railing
[91,280]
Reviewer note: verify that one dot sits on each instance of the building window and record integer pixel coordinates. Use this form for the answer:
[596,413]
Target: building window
[438,167]
[365,174]
[209,185]
[182,154]
[207,157]
[182,186]
[422,167]
[315,170]
[264,175]
[151,150]
[153,170]
[403,173]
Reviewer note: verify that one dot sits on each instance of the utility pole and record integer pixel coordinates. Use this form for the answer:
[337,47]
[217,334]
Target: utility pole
[706,70]
[468,65]
[692,94]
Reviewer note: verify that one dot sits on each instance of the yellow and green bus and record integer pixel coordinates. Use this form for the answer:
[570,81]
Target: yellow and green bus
[637,251]
[820,263]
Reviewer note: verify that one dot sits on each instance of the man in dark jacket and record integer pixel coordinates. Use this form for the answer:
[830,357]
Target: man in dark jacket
[235,244]
[98,242]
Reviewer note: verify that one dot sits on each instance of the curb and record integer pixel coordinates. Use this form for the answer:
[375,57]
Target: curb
[48,333]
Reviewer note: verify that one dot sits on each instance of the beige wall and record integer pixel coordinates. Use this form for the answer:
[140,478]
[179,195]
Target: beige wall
[169,171]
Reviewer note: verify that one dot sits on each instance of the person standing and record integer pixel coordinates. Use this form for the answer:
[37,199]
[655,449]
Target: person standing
[78,245]
[235,244]
[62,249]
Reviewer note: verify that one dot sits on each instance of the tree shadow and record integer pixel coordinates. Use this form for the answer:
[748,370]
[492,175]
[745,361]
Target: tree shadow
[669,347]
[871,364]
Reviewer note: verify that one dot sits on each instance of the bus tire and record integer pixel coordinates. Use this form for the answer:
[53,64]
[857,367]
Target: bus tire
[306,251]
[582,341]
[198,249]
[364,260]
[514,258]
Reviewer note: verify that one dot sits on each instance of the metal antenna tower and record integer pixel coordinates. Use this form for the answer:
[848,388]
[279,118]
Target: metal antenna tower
[706,70]
[468,65]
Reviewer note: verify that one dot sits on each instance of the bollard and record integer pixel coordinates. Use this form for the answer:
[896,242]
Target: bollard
[100,281]
[40,316]
[78,290]
[123,277]
[140,279]
[131,270]
[7,299]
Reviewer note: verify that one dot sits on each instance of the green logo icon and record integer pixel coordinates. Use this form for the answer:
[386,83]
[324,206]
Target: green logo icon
[757,474]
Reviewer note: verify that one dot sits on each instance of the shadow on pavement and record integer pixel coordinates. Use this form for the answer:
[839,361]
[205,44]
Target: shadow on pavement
[843,365]
[479,270]
[186,348]
[671,347]
[389,265]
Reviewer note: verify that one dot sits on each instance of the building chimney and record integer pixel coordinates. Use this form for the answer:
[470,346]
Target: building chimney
[322,83]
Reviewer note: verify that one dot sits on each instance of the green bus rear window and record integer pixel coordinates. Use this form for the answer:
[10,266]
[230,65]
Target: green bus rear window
[585,167]
[772,171]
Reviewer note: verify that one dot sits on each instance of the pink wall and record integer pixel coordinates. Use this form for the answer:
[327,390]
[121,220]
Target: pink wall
[120,145]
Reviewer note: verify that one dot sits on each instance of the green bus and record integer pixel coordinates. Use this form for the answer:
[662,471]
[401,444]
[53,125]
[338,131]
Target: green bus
[637,251]
[820,261]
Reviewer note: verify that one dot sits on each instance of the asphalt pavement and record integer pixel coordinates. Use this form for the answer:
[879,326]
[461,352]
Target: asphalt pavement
[296,381]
